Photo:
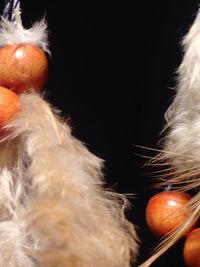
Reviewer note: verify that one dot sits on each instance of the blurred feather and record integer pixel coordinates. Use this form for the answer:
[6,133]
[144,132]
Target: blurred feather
[181,144]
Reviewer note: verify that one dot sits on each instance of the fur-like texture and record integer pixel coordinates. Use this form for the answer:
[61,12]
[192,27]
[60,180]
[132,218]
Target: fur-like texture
[57,211]
[14,241]
[181,149]
[54,208]
[15,33]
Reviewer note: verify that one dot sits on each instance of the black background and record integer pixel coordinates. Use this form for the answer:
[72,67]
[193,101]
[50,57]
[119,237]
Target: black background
[112,72]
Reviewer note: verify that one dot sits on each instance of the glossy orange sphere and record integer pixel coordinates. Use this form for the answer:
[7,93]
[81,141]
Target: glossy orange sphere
[9,105]
[191,250]
[166,211]
[22,67]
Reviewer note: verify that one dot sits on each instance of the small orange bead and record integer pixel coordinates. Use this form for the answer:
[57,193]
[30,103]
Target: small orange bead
[166,211]
[22,67]
[9,105]
[191,250]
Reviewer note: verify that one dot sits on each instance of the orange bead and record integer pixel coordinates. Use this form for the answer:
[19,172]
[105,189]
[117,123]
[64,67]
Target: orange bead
[166,211]
[9,105]
[22,67]
[191,250]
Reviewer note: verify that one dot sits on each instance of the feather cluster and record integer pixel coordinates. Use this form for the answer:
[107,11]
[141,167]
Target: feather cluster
[55,210]
[181,144]
[11,33]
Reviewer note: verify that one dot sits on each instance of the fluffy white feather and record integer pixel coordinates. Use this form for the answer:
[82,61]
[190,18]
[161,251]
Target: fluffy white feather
[14,241]
[68,213]
[14,245]
[183,120]
[11,33]
[181,144]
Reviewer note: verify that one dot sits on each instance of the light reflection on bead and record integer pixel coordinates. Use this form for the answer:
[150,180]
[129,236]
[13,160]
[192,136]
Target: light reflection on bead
[172,203]
[166,211]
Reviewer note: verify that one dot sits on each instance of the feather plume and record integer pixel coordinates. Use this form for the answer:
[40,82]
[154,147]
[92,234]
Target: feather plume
[182,141]
[67,216]
[16,34]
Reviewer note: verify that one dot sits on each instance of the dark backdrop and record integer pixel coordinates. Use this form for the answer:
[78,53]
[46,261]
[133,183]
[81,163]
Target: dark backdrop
[112,72]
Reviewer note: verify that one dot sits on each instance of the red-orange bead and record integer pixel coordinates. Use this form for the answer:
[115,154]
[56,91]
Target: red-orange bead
[166,211]
[191,250]
[22,67]
[9,105]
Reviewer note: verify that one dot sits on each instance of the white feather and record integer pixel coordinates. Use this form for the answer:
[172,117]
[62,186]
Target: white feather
[11,33]
[181,146]
[14,245]
[73,219]
[14,242]
[183,138]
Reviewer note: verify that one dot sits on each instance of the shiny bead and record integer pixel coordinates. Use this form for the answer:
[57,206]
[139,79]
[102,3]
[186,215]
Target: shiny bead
[22,67]
[166,211]
[191,250]
[9,105]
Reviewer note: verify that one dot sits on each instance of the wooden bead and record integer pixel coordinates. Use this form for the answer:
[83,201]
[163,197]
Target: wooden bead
[191,250]
[22,67]
[9,105]
[166,211]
